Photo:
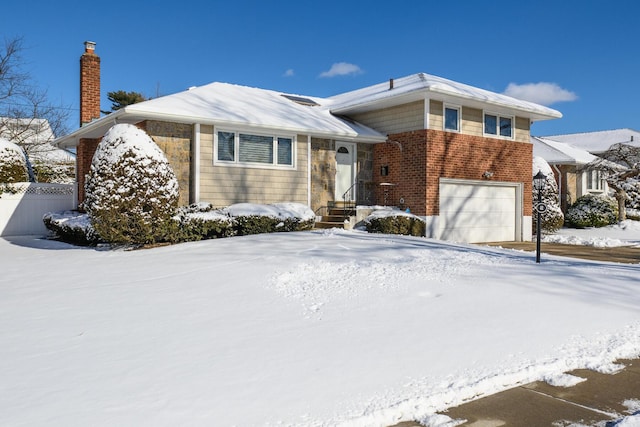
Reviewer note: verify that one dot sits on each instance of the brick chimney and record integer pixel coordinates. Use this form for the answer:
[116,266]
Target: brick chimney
[89,84]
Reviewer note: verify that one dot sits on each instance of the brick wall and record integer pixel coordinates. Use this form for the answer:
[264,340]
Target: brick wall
[89,85]
[84,155]
[417,160]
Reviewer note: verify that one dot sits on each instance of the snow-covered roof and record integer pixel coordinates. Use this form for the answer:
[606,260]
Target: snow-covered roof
[421,85]
[601,141]
[225,104]
[555,152]
[36,135]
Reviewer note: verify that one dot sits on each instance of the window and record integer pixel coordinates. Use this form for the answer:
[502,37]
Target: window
[594,181]
[452,119]
[498,125]
[246,148]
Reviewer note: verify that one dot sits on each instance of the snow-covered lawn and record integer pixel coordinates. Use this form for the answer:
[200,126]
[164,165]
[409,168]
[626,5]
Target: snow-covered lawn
[308,328]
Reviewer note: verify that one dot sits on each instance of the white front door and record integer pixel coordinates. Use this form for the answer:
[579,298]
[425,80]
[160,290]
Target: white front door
[345,170]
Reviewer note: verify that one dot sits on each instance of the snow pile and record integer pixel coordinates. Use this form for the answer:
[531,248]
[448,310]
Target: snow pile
[299,329]
[625,233]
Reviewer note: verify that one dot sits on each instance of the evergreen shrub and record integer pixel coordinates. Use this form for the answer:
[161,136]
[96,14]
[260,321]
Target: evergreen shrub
[592,211]
[131,192]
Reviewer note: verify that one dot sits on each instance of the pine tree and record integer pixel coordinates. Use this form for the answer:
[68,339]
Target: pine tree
[120,99]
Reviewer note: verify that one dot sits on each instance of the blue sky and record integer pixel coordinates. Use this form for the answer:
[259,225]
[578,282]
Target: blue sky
[581,54]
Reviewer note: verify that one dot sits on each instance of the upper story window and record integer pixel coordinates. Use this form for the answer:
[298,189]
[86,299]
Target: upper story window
[452,118]
[595,181]
[241,148]
[498,125]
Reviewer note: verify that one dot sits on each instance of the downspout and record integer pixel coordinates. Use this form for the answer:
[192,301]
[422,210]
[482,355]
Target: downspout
[196,163]
[309,171]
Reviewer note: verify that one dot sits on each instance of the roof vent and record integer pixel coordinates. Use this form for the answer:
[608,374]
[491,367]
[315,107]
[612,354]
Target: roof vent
[390,84]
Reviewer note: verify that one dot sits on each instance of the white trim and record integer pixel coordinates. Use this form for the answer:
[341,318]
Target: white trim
[458,108]
[196,163]
[249,131]
[427,111]
[498,116]
[309,170]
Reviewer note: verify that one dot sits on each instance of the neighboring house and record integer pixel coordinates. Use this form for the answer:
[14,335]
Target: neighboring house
[456,155]
[577,179]
[568,164]
[35,136]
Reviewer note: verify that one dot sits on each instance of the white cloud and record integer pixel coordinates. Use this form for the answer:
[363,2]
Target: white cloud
[342,69]
[541,93]
[289,73]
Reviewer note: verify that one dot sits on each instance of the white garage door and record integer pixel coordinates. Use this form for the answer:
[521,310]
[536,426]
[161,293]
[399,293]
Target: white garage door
[478,212]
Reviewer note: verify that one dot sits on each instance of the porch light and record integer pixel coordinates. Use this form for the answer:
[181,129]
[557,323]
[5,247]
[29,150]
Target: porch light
[539,181]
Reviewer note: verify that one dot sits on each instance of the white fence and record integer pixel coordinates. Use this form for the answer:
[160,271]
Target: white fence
[23,204]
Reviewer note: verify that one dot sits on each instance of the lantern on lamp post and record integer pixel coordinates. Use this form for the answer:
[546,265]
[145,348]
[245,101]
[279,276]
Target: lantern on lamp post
[539,181]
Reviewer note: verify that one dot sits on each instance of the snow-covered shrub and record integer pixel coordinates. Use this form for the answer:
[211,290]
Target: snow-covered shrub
[631,186]
[390,221]
[51,172]
[71,227]
[552,219]
[131,192]
[592,211]
[13,163]
[200,221]
[255,219]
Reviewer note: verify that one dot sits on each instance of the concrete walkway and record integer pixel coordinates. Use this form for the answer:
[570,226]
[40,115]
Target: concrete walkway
[599,399]
[624,254]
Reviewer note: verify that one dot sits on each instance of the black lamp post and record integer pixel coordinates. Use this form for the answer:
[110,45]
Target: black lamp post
[538,183]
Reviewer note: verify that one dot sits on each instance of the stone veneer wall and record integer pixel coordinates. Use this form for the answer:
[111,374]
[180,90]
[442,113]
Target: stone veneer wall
[323,173]
[174,139]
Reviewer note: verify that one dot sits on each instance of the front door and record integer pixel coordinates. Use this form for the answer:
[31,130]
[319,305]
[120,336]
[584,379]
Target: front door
[345,171]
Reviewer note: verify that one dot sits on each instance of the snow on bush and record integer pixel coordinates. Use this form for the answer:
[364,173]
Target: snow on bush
[200,221]
[632,187]
[255,219]
[131,192]
[13,163]
[552,219]
[592,211]
[394,221]
[71,227]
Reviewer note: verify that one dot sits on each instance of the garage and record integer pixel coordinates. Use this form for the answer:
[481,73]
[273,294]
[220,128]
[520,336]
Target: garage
[480,211]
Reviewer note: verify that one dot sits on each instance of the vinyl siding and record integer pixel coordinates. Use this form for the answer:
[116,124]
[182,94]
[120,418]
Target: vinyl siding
[224,185]
[472,122]
[401,118]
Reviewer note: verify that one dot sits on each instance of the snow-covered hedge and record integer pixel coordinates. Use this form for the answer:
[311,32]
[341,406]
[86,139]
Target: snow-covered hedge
[552,219]
[592,211]
[393,221]
[71,227]
[200,222]
[255,219]
[196,222]
[131,192]
[13,163]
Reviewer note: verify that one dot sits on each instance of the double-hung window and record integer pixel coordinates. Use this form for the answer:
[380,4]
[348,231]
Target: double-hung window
[594,180]
[451,118]
[498,125]
[243,148]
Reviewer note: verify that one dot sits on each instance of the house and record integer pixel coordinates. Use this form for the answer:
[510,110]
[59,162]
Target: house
[572,152]
[456,155]
[35,136]
[568,164]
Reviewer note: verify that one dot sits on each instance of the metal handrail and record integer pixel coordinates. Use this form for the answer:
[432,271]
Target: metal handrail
[344,198]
